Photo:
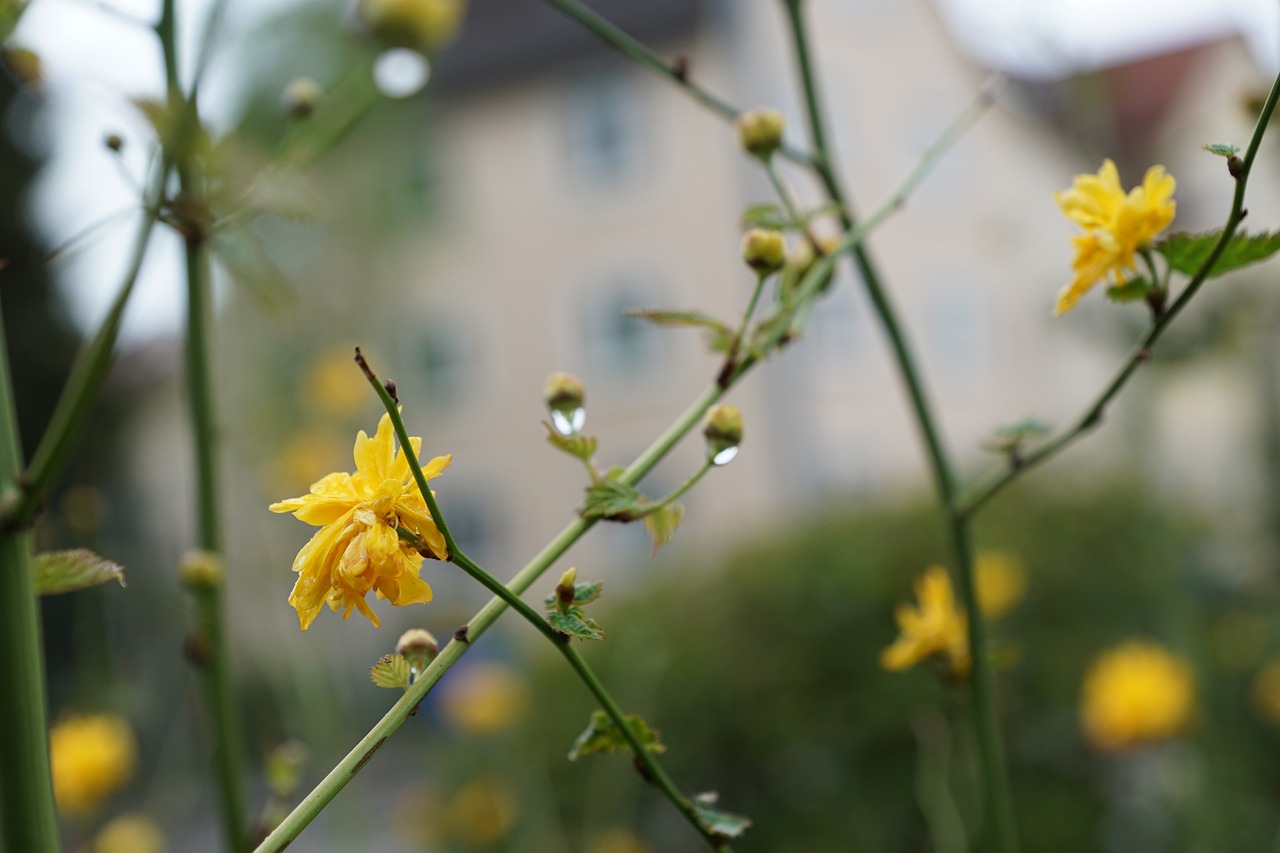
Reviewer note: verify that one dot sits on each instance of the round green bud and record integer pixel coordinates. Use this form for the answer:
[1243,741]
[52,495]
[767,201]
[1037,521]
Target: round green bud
[201,570]
[301,96]
[417,644]
[421,25]
[564,396]
[764,250]
[722,429]
[759,131]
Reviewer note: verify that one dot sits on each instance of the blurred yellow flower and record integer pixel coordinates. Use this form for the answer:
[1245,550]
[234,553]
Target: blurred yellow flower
[936,627]
[616,841]
[1116,225]
[1134,693]
[423,25]
[91,757]
[306,457]
[357,548]
[484,698]
[999,582]
[1266,692]
[129,833]
[334,386]
[481,812]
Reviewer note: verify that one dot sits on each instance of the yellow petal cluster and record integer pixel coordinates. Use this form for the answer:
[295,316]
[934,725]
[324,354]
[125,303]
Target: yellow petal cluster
[936,627]
[999,582]
[1134,693]
[357,548]
[1116,225]
[90,757]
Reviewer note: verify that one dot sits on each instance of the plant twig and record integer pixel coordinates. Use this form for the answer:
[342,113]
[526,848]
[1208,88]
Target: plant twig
[985,489]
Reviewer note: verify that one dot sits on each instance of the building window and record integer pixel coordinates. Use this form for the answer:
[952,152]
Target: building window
[604,129]
[618,345]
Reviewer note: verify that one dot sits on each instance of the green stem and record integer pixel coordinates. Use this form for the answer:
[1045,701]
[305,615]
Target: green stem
[984,490]
[630,47]
[28,821]
[679,492]
[999,824]
[346,769]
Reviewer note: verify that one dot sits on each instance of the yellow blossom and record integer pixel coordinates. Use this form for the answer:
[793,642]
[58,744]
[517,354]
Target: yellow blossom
[1116,225]
[936,627]
[357,548]
[999,582]
[90,757]
[129,833]
[1136,692]
[482,812]
[332,387]
[484,698]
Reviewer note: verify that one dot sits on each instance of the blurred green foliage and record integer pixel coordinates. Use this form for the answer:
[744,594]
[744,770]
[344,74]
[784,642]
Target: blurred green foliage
[762,675]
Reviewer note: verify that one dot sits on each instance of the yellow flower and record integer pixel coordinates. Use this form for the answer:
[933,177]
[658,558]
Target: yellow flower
[482,812]
[357,548]
[1136,692]
[90,757]
[1000,582]
[1116,225]
[129,833]
[484,698]
[333,386]
[936,627]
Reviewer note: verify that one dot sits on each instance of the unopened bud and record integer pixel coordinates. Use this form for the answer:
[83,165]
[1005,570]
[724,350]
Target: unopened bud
[567,589]
[760,131]
[113,142]
[419,647]
[764,250]
[564,396]
[723,432]
[422,25]
[25,65]
[301,96]
[200,570]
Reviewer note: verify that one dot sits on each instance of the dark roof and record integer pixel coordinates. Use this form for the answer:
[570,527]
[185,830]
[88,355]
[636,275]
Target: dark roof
[505,40]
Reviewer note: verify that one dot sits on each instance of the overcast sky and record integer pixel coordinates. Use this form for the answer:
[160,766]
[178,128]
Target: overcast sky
[96,61]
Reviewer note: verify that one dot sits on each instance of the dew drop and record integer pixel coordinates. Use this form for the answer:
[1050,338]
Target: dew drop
[400,72]
[569,423]
[724,457]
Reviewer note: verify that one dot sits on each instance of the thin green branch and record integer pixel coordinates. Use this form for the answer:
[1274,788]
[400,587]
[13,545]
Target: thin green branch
[346,769]
[676,72]
[678,492]
[999,822]
[28,821]
[982,491]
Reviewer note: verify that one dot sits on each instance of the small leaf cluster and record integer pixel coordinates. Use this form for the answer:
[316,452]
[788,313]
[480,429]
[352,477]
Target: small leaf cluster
[391,671]
[66,571]
[718,823]
[565,613]
[1187,253]
[603,737]
[612,500]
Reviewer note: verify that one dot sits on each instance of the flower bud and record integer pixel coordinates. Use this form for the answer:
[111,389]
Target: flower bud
[760,131]
[200,570]
[301,96]
[764,250]
[419,647]
[565,395]
[114,142]
[723,432]
[567,589]
[421,25]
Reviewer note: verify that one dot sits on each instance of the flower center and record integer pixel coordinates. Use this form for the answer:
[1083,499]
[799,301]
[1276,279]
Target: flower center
[384,499]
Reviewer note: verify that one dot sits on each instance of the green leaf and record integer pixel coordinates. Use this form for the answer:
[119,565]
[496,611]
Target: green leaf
[240,251]
[57,572]
[581,446]
[719,823]
[1009,437]
[719,335]
[661,524]
[1186,253]
[602,736]
[766,216]
[391,671]
[575,623]
[1222,149]
[1133,290]
[611,499]
[585,593]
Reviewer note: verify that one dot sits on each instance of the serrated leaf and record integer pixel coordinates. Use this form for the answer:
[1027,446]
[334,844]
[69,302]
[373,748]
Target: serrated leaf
[240,252]
[611,499]
[1186,253]
[575,623]
[581,446]
[1133,290]
[718,335]
[585,593]
[1222,149]
[57,572]
[603,737]
[391,671]
[719,823]
[661,524]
